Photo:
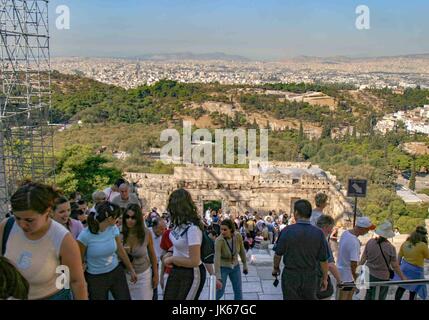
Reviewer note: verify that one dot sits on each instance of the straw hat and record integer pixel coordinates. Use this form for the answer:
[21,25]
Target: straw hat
[385,230]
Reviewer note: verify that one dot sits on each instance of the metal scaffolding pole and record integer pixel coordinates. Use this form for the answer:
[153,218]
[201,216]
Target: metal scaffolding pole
[26,140]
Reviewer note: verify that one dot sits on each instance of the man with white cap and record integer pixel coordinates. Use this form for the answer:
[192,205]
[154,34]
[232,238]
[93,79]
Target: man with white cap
[349,255]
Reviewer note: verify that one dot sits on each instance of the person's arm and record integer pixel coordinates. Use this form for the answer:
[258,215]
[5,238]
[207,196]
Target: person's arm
[324,267]
[279,252]
[397,269]
[82,242]
[153,260]
[425,250]
[242,252]
[364,256]
[354,258]
[334,270]
[217,262]
[70,256]
[276,265]
[194,240]
[209,268]
[400,254]
[124,257]
[193,261]
[353,267]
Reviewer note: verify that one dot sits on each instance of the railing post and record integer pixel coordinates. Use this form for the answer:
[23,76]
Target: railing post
[337,292]
[212,287]
[377,292]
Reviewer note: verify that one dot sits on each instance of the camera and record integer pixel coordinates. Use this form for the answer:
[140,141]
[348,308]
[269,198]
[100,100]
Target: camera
[276,282]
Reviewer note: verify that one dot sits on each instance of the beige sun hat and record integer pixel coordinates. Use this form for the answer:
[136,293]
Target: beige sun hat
[385,230]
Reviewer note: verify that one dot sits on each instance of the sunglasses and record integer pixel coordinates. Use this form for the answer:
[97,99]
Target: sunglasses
[130,217]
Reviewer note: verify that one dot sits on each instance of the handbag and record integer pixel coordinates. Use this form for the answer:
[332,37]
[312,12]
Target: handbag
[391,272]
[328,292]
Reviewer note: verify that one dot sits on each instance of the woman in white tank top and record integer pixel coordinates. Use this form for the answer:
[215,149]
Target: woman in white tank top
[43,251]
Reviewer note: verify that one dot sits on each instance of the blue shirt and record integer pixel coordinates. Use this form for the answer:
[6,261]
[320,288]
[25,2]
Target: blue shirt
[303,247]
[101,249]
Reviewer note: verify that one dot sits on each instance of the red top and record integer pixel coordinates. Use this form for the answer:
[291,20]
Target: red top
[166,245]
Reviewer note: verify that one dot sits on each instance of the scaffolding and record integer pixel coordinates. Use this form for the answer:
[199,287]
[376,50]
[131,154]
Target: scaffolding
[26,139]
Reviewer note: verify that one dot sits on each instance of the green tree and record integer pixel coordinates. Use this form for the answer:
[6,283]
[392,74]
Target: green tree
[301,132]
[412,184]
[80,169]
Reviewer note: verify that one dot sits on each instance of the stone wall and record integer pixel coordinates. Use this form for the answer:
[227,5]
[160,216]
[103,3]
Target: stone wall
[243,189]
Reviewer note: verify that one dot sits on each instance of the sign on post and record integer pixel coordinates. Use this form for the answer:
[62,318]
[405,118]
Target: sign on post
[357,188]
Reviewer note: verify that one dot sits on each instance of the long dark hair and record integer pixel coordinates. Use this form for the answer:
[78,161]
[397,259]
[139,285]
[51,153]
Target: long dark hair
[12,283]
[182,209]
[103,210]
[419,235]
[139,226]
[34,196]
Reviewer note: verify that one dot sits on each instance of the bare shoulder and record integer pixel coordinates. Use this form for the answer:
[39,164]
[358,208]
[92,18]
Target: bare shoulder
[68,244]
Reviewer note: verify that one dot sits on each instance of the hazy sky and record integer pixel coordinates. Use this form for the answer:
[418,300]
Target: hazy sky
[257,29]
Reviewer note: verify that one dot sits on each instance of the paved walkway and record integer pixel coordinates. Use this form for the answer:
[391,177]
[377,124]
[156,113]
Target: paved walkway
[257,284]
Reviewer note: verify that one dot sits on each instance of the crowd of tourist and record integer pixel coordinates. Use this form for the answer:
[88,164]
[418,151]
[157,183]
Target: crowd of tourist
[109,248]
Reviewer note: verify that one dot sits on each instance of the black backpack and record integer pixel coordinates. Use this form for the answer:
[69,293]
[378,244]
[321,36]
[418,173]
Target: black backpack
[207,247]
[7,229]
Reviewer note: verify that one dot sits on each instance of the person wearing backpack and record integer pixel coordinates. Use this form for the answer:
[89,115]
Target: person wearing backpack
[228,246]
[187,278]
[37,245]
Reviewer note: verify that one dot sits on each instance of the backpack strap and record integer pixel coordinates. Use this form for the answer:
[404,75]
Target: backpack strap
[385,260]
[185,231]
[6,232]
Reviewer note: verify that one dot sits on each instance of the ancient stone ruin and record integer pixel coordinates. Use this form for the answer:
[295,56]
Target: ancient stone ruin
[262,187]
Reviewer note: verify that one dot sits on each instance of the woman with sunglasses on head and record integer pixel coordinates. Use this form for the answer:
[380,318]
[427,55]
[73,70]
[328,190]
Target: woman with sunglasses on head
[100,245]
[138,243]
[38,245]
[62,211]
[188,275]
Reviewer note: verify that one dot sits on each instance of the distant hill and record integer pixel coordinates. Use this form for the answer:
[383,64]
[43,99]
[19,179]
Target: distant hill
[345,59]
[191,56]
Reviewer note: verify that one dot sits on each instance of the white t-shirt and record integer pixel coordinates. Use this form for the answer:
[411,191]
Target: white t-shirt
[259,225]
[315,215]
[182,241]
[208,217]
[156,243]
[349,250]
[110,194]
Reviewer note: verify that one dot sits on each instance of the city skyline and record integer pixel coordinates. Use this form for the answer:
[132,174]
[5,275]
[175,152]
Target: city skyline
[257,30]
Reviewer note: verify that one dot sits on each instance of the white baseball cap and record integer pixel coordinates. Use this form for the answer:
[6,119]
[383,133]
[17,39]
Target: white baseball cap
[364,222]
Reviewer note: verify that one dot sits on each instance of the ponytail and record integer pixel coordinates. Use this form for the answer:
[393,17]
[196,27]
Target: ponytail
[101,212]
[93,224]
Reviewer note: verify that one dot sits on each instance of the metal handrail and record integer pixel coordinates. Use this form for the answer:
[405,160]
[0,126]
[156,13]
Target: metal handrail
[212,287]
[378,284]
[388,283]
